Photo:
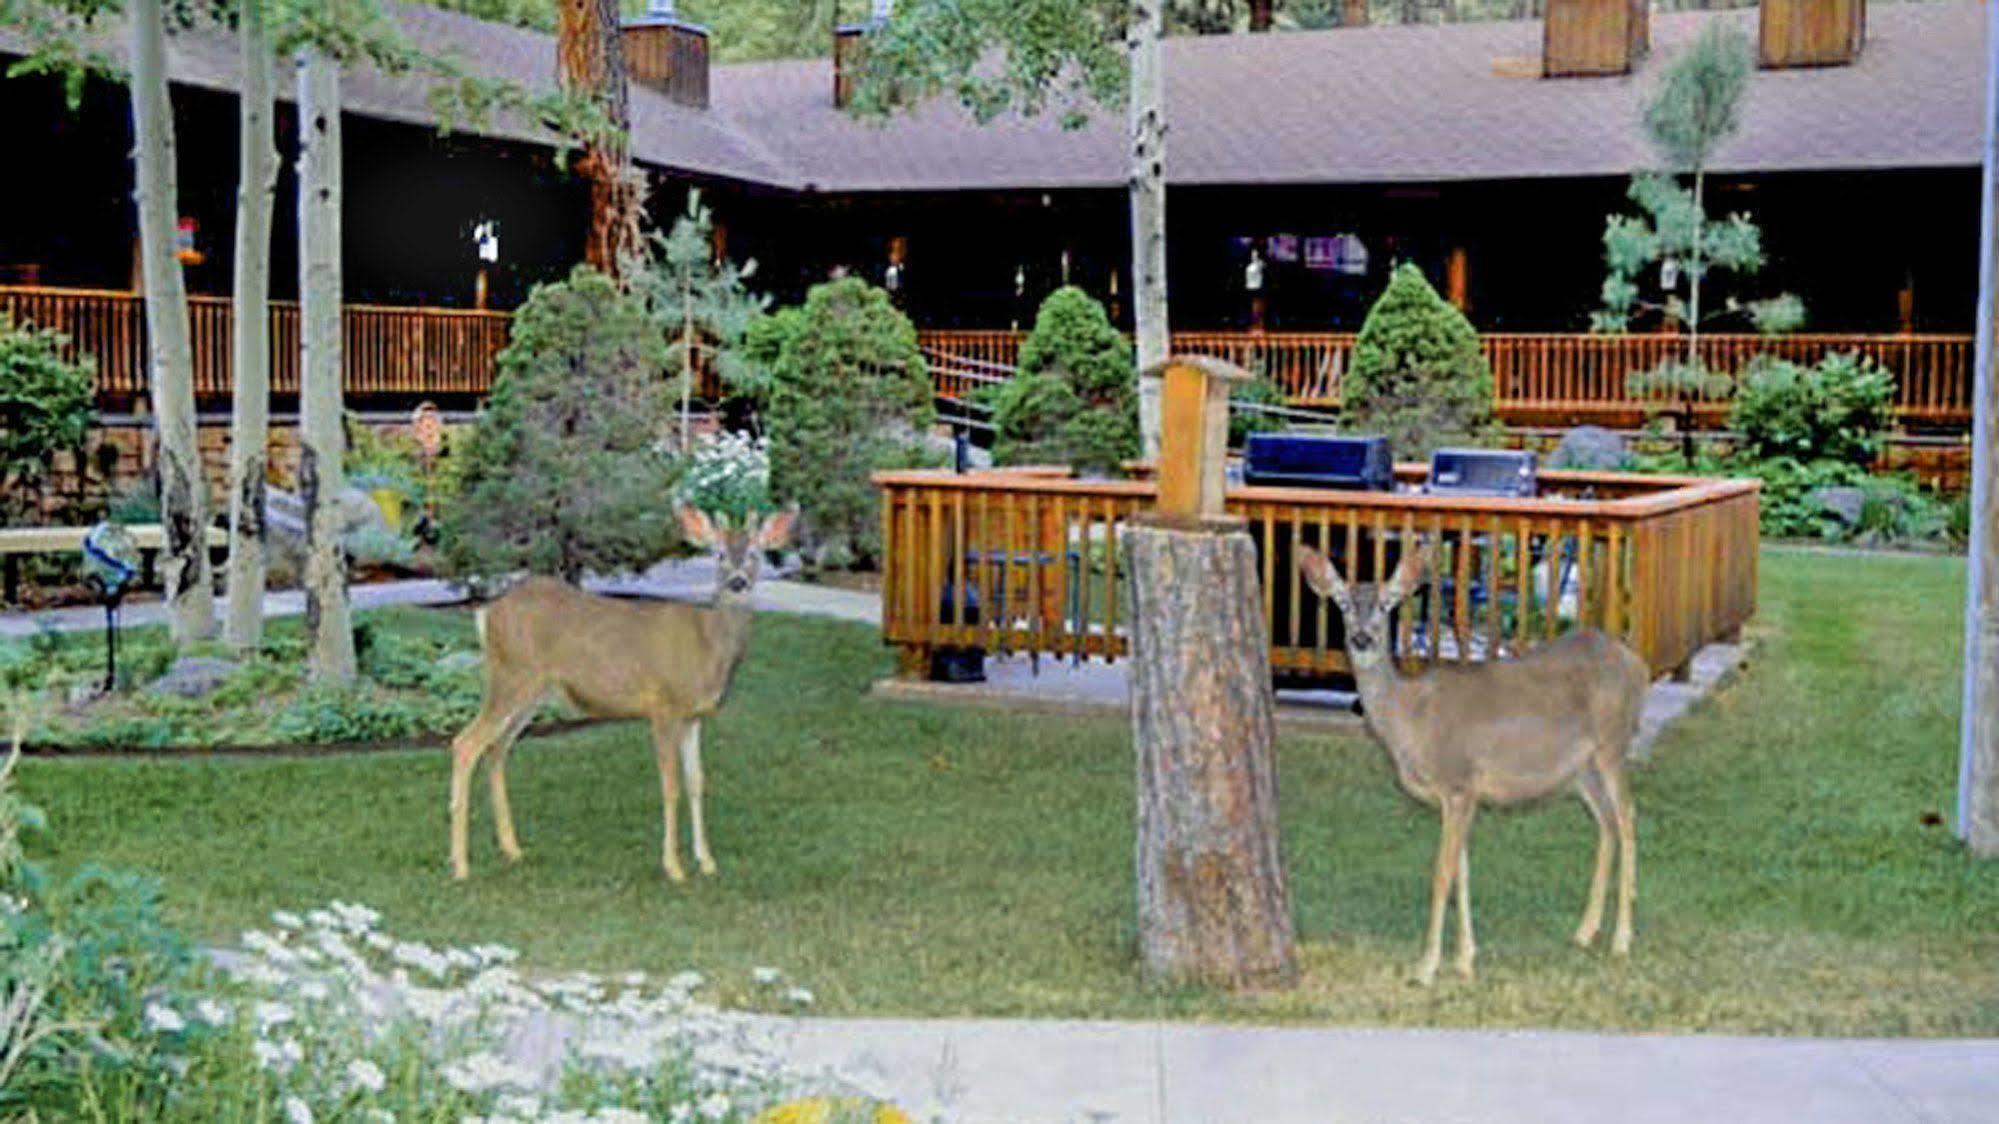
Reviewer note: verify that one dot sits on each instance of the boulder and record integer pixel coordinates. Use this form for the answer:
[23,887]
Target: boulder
[1589,447]
[362,524]
[193,677]
[1843,503]
[459,661]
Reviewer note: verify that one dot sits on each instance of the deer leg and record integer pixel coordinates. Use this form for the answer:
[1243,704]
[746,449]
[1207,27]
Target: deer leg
[1449,855]
[1467,944]
[496,777]
[1627,867]
[503,700]
[1596,794]
[690,771]
[666,737]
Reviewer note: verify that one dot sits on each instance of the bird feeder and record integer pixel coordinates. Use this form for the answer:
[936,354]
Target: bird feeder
[1194,436]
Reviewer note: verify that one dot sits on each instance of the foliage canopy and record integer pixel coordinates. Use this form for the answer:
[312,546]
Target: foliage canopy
[1073,401]
[566,470]
[1417,376]
[848,394]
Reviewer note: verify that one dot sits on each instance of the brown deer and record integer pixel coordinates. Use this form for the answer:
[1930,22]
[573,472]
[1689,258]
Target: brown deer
[1500,732]
[665,662]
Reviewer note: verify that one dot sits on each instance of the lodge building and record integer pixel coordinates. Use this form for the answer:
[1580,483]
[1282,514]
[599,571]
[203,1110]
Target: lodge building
[1488,153]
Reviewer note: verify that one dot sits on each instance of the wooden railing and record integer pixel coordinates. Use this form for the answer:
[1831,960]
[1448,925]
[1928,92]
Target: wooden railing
[386,350]
[1028,561]
[1538,378]
[1560,378]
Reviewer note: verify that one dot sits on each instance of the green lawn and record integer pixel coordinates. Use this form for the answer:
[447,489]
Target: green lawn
[906,860]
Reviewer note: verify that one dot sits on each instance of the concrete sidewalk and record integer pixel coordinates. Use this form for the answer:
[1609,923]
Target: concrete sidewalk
[1021,1072]
[691,579]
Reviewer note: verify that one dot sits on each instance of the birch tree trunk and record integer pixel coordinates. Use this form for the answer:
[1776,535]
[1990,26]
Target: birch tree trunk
[322,438]
[249,422]
[1212,903]
[1147,108]
[1978,771]
[183,485]
[591,56]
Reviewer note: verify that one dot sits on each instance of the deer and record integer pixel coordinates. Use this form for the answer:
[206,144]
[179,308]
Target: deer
[1497,732]
[669,663]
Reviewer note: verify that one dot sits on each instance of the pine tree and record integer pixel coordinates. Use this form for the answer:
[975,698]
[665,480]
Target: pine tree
[1692,112]
[702,302]
[566,471]
[1417,376]
[1072,402]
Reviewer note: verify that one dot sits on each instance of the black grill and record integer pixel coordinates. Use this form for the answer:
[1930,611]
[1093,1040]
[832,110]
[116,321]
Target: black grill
[1482,472]
[1358,464]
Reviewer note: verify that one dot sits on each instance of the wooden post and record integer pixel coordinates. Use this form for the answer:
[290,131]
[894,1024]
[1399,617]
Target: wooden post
[1212,904]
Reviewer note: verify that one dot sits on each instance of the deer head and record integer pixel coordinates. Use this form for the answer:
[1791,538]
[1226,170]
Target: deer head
[1365,608]
[739,551]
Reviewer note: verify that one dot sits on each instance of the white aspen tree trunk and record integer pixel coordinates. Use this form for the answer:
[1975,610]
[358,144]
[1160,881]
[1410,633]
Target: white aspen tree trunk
[1978,771]
[322,439]
[183,486]
[1147,108]
[249,422]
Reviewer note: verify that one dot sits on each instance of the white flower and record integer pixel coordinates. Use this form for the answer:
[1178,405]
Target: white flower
[681,1114]
[800,996]
[278,1056]
[164,1019]
[314,991]
[685,981]
[297,1111]
[486,1071]
[272,1014]
[633,979]
[364,1074]
[767,977]
[211,1012]
[522,1105]
[285,919]
[714,1106]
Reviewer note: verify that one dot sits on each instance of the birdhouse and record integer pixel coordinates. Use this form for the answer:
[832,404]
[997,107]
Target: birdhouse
[1194,435]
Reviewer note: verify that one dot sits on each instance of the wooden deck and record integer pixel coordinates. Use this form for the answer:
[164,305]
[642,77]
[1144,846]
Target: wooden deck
[1027,561]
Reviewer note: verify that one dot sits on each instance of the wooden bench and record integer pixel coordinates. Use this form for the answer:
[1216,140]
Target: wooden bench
[17,541]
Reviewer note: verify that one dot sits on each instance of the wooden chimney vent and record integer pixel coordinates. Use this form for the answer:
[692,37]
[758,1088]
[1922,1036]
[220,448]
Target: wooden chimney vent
[1812,32]
[669,55]
[1580,38]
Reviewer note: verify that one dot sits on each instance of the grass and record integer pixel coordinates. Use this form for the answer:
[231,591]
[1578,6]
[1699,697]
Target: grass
[908,860]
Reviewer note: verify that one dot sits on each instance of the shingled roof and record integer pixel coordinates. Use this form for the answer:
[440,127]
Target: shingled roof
[1353,105]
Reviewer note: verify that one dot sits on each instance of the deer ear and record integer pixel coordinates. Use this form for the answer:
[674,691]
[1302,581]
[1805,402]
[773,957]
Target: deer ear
[695,524]
[1408,575]
[1320,574]
[775,530]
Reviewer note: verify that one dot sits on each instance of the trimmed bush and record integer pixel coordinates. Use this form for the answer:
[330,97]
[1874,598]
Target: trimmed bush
[1839,410]
[848,394]
[565,472]
[1075,400]
[1417,376]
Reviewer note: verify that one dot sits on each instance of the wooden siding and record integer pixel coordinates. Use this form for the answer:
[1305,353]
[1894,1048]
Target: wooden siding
[1028,561]
[1580,38]
[671,58]
[1811,32]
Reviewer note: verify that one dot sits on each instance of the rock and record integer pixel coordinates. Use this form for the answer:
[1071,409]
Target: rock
[1589,447]
[361,522]
[459,661]
[193,677]
[1842,503]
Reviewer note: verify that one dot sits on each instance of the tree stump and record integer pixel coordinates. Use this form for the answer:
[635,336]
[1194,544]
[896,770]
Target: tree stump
[1212,905]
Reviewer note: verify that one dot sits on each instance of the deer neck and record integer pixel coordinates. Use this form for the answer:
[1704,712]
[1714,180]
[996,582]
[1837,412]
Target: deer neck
[726,629]
[1390,702]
